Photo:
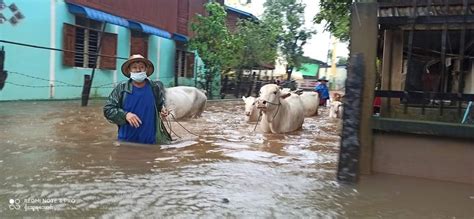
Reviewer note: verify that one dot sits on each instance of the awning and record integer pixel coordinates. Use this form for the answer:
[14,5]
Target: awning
[179,37]
[149,29]
[97,15]
[112,19]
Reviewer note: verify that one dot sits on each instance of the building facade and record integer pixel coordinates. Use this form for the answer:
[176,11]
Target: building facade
[156,29]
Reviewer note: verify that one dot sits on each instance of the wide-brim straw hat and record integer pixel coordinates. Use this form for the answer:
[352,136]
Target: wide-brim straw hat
[137,58]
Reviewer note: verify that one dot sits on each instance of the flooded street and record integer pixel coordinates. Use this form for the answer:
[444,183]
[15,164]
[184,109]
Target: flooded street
[61,159]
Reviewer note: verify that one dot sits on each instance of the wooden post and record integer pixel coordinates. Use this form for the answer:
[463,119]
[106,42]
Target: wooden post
[251,83]
[238,83]
[3,73]
[349,161]
[392,65]
[89,79]
[366,44]
[364,26]
[86,89]
[224,85]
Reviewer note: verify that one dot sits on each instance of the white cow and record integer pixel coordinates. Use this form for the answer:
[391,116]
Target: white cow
[310,101]
[281,113]
[251,110]
[185,102]
[336,109]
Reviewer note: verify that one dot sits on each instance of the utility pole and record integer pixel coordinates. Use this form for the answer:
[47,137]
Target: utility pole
[327,56]
[333,61]
[88,79]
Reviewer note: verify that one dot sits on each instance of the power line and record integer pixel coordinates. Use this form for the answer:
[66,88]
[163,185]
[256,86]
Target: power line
[43,79]
[64,84]
[60,50]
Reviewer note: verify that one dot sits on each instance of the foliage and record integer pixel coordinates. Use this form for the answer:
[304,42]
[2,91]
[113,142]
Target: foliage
[341,60]
[336,14]
[257,42]
[212,40]
[214,43]
[287,17]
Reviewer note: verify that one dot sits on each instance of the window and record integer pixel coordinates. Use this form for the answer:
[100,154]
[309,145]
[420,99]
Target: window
[83,39]
[139,43]
[184,66]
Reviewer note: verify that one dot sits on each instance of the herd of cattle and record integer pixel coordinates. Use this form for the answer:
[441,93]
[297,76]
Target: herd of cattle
[276,110]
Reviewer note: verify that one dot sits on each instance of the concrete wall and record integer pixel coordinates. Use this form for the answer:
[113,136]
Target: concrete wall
[423,156]
[33,29]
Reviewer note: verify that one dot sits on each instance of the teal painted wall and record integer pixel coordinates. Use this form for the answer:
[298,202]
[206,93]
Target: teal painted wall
[167,52]
[199,79]
[35,29]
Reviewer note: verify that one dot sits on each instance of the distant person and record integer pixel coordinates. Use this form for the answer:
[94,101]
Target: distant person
[377,105]
[322,90]
[137,105]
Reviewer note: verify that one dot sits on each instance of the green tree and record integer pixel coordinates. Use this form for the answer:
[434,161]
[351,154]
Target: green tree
[287,16]
[257,41]
[341,60]
[336,14]
[214,43]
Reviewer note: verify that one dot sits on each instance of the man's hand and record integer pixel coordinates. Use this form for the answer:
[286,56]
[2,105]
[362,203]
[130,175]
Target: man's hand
[133,120]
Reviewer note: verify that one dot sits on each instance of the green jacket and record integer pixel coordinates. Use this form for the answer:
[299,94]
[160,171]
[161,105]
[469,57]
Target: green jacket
[114,112]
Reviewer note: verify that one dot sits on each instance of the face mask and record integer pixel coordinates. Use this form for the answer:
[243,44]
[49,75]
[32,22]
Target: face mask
[138,77]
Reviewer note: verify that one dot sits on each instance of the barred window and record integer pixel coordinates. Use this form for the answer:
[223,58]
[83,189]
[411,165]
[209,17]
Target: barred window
[83,39]
[184,64]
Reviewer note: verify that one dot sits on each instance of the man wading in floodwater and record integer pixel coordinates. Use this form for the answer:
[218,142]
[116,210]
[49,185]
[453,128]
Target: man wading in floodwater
[134,104]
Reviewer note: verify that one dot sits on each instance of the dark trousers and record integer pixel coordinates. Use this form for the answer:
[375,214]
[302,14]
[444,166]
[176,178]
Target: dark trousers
[322,101]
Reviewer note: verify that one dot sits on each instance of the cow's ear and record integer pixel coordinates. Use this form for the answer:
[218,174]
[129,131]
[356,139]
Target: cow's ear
[243,98]
[285,95]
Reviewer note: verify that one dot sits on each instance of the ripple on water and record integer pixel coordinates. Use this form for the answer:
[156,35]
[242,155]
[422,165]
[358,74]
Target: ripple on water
[259,175]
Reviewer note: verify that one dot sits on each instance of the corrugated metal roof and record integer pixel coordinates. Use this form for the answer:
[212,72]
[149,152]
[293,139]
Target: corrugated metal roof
[424,11]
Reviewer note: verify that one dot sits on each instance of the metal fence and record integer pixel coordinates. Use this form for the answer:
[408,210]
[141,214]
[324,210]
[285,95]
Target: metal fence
[436,57]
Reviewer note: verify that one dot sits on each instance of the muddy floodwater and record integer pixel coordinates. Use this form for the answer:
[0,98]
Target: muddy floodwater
[60,159]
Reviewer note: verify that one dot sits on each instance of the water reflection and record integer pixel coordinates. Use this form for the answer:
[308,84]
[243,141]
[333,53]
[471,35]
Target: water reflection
[58,150]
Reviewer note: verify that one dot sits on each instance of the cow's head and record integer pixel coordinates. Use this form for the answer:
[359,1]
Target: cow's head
[337,97]
[270,95]
[336,109]
[250,105]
